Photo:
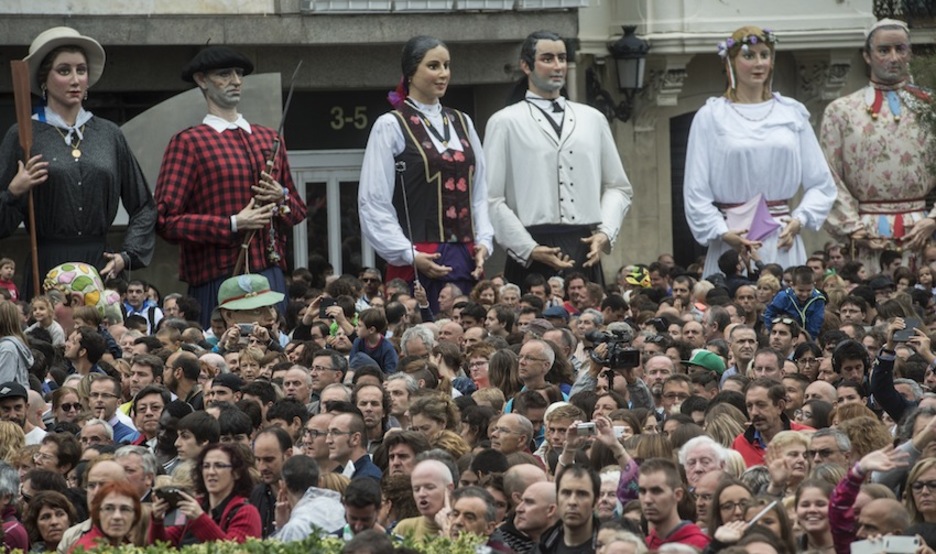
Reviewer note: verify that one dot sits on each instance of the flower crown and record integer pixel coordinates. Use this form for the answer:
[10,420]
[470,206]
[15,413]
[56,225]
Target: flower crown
[768,37]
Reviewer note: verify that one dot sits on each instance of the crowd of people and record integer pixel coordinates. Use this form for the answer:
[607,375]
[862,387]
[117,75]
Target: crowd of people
[661,412]
[759,400]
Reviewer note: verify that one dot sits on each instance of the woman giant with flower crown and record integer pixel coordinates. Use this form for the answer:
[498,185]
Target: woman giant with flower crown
[750,144]
[422,196]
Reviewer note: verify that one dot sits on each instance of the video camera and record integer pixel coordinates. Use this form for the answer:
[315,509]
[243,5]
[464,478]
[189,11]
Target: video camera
[620,353]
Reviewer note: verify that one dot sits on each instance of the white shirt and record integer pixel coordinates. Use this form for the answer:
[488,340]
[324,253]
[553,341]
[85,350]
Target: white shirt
[379,220]
[220,124]
[737,151]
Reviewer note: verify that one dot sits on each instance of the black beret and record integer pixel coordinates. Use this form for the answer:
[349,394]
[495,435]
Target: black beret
[215,57]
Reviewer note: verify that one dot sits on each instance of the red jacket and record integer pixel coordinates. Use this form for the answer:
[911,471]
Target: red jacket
[91,540]
[244,523]
[750,448]
[687,533]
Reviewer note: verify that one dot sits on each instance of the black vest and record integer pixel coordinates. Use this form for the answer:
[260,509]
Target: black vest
[438,186]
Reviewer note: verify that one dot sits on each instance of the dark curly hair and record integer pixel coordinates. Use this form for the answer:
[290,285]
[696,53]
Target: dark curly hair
[240,469]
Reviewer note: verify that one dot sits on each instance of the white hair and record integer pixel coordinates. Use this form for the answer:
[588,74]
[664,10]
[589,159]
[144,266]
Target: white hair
[508,286]
[420,332]
[705,441]
[108,430]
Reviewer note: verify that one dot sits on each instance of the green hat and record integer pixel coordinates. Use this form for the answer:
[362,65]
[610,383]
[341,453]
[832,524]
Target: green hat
[247,292]
[707,360]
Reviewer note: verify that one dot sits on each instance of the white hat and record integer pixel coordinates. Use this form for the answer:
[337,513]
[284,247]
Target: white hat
[55,37]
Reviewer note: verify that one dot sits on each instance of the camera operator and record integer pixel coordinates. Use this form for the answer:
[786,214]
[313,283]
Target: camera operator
[613,365]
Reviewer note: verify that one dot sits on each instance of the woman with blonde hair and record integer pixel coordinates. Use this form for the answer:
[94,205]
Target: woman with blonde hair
[334,481]
[24,459]
[654,446]
[12,440]
[432,414]
[767,287]
[490,397]
[452,443]
[724,173]
[734,464]
[15,356]
[723,428]
[919,492]
[787,461]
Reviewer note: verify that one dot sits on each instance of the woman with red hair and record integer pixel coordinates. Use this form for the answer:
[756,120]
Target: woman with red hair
[115,510]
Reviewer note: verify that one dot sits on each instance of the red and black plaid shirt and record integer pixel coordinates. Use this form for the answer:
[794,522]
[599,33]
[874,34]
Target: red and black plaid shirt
[205,178]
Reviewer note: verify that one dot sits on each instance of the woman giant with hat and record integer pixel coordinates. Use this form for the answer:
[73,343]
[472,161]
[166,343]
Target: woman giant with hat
[81,169]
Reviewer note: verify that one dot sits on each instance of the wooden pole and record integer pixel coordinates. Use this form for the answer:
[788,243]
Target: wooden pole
[23,101]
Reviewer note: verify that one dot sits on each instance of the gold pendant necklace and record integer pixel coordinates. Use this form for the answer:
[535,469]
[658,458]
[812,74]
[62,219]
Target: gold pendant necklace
[75,145]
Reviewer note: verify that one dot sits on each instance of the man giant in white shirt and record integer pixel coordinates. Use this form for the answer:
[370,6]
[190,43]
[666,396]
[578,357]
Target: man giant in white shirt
[557,160]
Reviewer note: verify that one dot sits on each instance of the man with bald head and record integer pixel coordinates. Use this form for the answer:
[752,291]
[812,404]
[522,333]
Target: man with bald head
[536,357]
[883,516]
[704,493]
[512,433]
[432,482]
[452,332]
[518,478]
[533,516]
[99,474]
[821,390]
[517,481]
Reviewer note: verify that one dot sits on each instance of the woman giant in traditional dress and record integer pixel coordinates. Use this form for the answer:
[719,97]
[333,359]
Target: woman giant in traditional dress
[81,168]
[751,142]
[422,189]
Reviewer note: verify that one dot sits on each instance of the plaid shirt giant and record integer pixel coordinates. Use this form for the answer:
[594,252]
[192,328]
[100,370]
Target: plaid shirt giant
[205,178]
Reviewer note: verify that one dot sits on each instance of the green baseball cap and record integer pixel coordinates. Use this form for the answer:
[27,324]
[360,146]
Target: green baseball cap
[247,292]
[707,360]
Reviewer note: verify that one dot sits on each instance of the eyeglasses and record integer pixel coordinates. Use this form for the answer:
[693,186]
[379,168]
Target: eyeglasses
[110,509]
[809,361]
[783,320]
[802,414]
[705,497]
[478,363]
[337,432]
[824,453]
[319,368]
[315,433]
[732,506]
[101,395]
[525,358]
[370,280]
[920,485]
[43,456]
[215,466]
[75,407]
